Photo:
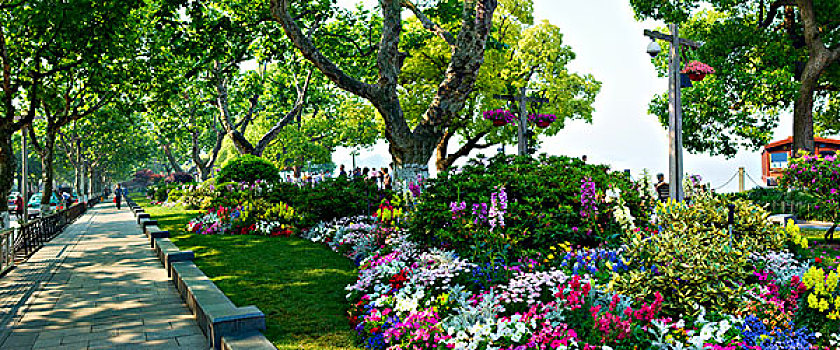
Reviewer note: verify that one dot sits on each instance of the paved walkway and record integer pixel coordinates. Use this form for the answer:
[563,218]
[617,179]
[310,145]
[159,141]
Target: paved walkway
[97,285]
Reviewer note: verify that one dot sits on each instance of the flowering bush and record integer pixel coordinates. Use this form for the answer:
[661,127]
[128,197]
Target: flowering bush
[819,177]
[257,217]
[542,118]
[543,201]
[500,115]
[698,68]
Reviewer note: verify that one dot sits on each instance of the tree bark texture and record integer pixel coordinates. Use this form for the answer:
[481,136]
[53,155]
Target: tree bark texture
[171,158]
[236,131]
[7,171]
[445,160]
[819,59]
[47,161]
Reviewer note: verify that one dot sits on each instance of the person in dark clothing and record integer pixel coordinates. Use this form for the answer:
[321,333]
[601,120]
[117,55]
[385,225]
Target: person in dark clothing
[19,206]
[118,193]
[386,179]
[662,188]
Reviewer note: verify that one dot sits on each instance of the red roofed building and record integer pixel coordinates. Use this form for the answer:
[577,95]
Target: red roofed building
[775,156]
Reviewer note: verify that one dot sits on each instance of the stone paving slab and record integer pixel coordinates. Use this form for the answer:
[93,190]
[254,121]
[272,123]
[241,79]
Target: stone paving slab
[97,285]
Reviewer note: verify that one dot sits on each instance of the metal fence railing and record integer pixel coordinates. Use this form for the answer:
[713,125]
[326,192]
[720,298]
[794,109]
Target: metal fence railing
[32,235]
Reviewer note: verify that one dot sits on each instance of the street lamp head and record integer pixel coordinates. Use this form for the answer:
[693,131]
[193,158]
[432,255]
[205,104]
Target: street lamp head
[653,48]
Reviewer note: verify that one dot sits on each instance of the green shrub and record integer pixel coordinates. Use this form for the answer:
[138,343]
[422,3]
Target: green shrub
[329,199]
[248,168]
[175,195]
[161,193]
[544,207]
[807,207]
[693,260]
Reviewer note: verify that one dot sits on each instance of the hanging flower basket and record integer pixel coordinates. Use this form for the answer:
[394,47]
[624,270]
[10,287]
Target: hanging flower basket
[499,117]
[542,120]
[696,76]
[697,70]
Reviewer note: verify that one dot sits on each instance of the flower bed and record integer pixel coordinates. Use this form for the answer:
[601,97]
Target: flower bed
[556,254]
[689,281]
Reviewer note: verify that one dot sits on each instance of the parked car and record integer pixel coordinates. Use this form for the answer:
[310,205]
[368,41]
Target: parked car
[35,204]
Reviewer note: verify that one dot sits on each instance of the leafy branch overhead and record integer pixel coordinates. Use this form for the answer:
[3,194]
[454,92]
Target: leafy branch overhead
[771,57]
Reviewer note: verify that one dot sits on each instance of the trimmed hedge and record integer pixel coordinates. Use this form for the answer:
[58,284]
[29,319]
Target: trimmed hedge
[248,168]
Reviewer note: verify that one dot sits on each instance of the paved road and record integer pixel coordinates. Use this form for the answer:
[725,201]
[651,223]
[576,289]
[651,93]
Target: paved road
[98,285]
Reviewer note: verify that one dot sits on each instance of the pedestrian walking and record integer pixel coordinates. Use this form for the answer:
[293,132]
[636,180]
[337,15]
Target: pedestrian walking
[118,193]
[19,207]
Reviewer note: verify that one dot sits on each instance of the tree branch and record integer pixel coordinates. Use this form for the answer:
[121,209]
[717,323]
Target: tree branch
[280,13]
[771,13]
[463,68]
[288,118]
[242,144]
[811,28]
[429,24]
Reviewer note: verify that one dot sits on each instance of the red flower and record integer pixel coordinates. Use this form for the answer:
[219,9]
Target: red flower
[817,260]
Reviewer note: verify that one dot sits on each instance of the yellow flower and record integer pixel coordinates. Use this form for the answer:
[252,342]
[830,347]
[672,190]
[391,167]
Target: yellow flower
[813,277]
[831,282]
[552,248]
[813,302]
[823,305]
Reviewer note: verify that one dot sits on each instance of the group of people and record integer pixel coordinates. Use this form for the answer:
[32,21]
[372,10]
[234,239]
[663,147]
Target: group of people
[381,177]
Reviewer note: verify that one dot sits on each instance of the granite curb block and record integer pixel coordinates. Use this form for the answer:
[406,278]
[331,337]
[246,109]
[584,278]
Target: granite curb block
[225,325]
[169,253]
[148,223]
[246,340]
[215,313]
[141,216]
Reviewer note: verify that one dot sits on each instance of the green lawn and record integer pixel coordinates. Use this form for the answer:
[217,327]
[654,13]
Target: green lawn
[298,284]
[829,253]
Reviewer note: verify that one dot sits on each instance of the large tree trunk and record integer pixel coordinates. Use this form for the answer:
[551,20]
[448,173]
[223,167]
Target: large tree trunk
[77,166]
[167,151]
[819,58]
[7,172]
[47,155]
[803,114]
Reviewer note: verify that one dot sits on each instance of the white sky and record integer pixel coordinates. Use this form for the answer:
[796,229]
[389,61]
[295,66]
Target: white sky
[610,45]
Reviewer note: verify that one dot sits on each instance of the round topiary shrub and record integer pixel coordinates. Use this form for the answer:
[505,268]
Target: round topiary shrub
[248,168]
